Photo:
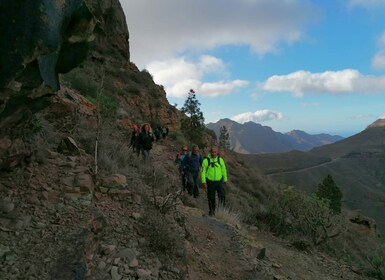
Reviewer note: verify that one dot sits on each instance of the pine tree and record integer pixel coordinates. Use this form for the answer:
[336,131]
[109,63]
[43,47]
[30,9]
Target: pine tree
[224,138]
[329,190]
[193,126]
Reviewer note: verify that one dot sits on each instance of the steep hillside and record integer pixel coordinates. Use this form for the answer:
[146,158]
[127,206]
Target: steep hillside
[77,203]
[356,163]
[253,138]
[58,222]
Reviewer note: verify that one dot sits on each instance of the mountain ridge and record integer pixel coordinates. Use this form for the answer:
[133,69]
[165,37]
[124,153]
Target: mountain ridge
[356,163]
[253,138]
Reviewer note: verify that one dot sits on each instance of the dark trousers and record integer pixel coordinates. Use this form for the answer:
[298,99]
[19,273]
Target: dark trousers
[193,181]
[212,188]
[184,181]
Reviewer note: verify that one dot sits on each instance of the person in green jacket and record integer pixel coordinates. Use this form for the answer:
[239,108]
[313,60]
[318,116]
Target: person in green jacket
[214,178]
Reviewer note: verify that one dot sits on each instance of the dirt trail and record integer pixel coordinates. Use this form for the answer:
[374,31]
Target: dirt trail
[214,251]
[219,251]
[304,169]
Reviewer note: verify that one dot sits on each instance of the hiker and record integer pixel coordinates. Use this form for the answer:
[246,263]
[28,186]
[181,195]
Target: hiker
[214,177]
[146,138]
[164,132]
[191,165]
[134,143]
[157,133]
[178,160]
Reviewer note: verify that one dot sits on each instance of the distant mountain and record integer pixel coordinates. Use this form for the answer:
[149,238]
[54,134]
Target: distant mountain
[253,138]
[356,164]
[378,123]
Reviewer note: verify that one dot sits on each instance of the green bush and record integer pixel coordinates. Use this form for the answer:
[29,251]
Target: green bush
[81,80]
[377,263]
[108,105]
[295,213]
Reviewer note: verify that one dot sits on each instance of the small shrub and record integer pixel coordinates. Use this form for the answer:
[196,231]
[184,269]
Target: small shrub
[80,80]
[146,73]
[85,134]
[114,153]
[162,236]
[114,157]
[107,103]
[142,78]
[377,263]
[228,216]
[162,196]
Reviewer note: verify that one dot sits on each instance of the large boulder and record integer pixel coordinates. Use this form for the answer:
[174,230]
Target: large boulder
[39,39]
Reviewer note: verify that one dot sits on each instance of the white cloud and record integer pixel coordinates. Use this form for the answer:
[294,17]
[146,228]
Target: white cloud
[210,63]
[178,76]
[258,116]
[331,82]
[161,29]
[378,61]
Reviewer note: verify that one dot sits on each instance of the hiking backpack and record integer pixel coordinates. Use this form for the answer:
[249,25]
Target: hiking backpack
[208,161]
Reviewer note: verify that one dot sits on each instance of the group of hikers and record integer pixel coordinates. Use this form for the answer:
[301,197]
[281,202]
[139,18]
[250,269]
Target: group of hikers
[143,137]
[209,171]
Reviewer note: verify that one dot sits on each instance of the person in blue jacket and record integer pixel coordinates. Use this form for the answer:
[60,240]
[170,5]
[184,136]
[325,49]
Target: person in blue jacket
[191,165]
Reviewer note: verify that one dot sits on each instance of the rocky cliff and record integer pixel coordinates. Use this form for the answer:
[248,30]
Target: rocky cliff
[40,39]
[74,45]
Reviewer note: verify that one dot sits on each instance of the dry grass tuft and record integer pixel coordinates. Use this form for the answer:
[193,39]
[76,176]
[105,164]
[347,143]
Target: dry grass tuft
[228,216]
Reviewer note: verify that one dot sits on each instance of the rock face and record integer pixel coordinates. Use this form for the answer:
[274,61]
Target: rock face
[42,38]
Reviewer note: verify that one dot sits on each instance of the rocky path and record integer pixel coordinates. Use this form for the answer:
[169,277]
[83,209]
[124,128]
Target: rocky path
[216,250]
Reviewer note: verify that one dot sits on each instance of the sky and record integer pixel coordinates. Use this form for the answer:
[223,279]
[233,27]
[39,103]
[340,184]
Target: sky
[312,65]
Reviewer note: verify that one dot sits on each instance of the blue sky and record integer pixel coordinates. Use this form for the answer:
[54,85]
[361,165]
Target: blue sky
[317,66]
